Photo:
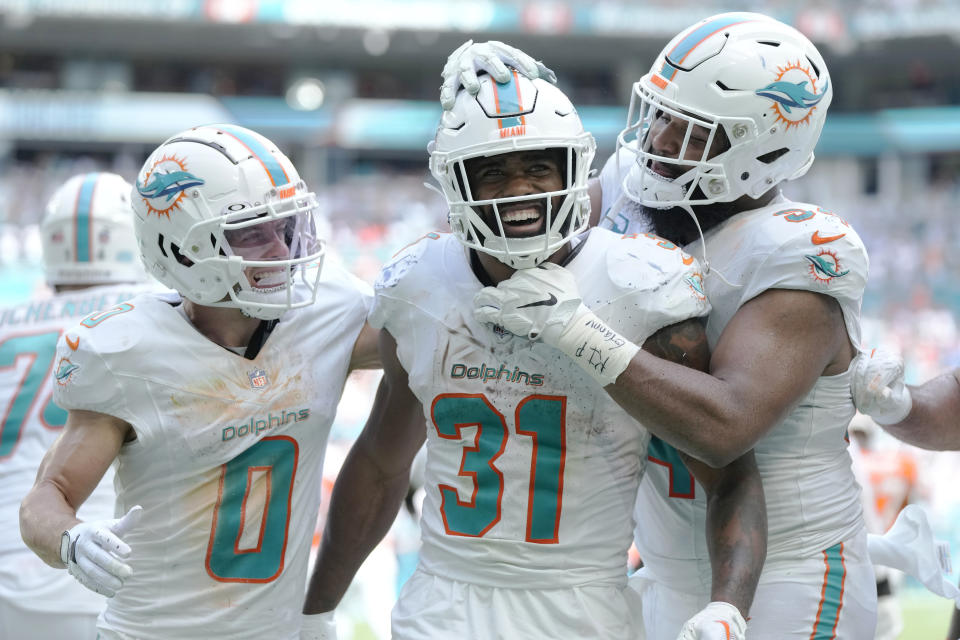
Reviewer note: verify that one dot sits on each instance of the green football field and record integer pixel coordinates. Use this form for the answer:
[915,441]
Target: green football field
[925,617]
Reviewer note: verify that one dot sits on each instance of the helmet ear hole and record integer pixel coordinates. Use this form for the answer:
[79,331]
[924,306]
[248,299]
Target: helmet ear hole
[770,156]
[179,257]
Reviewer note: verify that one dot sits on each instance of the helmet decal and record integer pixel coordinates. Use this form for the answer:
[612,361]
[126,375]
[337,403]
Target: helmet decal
[275,171]
[793,100]
[509,102]
[164,185]
[82,216]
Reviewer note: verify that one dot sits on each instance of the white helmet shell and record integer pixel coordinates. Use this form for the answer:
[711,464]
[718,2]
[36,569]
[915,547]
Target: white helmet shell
[517,115]
[87,232]
[204,184]
[755,83]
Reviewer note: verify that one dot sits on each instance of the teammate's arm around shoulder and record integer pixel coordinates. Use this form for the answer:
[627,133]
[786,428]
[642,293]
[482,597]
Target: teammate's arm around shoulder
[70,471]
[736,510]
[370,486]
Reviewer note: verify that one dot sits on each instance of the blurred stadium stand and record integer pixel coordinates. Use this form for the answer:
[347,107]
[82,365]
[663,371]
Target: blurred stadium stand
[349,90]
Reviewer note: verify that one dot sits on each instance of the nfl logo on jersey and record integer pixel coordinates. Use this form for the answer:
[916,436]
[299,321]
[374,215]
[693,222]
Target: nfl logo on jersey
[258,379]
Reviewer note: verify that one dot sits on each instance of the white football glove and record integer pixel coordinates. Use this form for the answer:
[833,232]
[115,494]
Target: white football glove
[717,621]
[878,388]
[97,552]
[544,304]
[909,546]
[320,626]
[493,57]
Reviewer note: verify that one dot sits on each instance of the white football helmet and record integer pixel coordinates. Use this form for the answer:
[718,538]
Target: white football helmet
[87,232]
[223,217]
[518,115]
[743,78]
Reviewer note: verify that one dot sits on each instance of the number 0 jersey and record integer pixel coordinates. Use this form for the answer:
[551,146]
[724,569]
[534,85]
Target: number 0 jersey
[227,459]
[31,422]
[813,499]
[531,469]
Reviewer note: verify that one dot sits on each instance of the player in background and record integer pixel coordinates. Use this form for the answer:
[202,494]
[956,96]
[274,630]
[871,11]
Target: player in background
[91,262]
[532,468]
[924,415]
[213,403]
[889,478]
[731,109]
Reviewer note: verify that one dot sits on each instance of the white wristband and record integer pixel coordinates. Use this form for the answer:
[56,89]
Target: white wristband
[598,349]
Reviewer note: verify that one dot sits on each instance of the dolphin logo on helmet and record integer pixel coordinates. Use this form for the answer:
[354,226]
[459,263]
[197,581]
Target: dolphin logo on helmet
[792,94]
[168,184]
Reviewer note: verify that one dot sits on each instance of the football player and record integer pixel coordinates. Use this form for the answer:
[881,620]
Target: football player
[731,109]
[924,416]
[213,403]
[531,467]
[90,259]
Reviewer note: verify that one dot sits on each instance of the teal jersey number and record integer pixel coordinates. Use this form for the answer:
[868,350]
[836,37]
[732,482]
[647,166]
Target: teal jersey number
[42,347]
[542,418]
[681,480]
[275,460]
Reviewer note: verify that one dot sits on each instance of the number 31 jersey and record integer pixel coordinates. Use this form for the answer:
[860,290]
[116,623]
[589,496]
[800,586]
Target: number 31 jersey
[227,458]
[531,469]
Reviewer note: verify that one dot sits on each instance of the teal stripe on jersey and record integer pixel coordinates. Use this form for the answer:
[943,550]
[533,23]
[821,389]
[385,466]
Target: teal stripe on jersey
[831,602]
[270,163]
[82,216]
[508,101]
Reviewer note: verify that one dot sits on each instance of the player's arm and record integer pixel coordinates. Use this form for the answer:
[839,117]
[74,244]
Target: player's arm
[736,527]
[769,356]
[370,486]
[366,353]
[68,474]
[924,416]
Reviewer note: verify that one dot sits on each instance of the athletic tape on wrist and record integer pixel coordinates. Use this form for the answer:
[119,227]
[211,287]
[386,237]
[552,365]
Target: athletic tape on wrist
[596,348]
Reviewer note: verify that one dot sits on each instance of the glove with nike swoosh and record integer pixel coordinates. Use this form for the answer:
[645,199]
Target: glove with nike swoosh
[544,303]
[717,621]
[493,57]
[878,388]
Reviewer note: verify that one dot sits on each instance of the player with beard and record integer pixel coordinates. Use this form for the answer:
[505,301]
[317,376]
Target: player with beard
[531,467]
[732,108]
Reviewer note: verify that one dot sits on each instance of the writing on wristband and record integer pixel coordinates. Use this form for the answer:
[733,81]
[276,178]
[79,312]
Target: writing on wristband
[597,349]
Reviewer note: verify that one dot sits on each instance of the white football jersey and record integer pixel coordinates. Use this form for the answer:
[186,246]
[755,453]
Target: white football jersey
[531,469]
[813,499]
[31,422]
[227,458]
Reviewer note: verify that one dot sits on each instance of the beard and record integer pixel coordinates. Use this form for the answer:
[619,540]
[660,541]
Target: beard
[676,224]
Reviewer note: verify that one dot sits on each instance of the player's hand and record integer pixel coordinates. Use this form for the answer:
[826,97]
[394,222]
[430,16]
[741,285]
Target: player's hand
[717,621]
[878,388]
[97,552]
[493,57]
[539,303]
[319,626]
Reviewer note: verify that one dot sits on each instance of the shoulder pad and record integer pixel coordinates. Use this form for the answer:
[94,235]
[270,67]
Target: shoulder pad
[810,249]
